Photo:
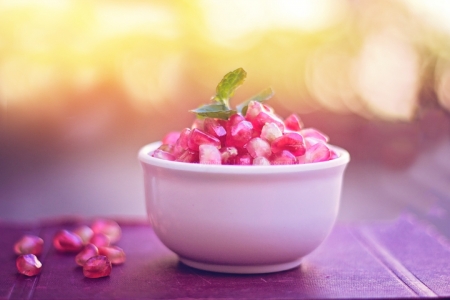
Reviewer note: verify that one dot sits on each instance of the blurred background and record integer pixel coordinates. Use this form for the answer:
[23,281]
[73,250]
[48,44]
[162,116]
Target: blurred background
[84,84]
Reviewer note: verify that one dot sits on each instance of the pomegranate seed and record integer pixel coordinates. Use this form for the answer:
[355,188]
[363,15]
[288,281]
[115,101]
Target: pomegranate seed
[198,137]
[309,141]
[301,159]
[243,159]
[333,154]
[28,265]
[214,128]
[100,240]
[254,108]
[261,161]
[259,147]
[114,254]
[314,133]
[263,117]
[163,155]
[198,123]
[85,233]
[293,122]
[97,266]
[268,109]
[241,133]
[234,119]
[283,158]
[228,154]
[29,244]
[166,147]
[88,251]
[188,156]
[171,138]
[182,141]
[209,155]
[292,142]
[317,152]
[270,132]
[66,241]
[108,227]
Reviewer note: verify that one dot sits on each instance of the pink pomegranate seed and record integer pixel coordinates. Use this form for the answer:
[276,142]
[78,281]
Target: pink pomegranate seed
[258,147]
[314,133]
[166,147]
[263,117]
[270,132]
[293,122]
[333,154]
[114,254]
[234,119]
[292,142]
[28,265]
[183,140]
[29,244]
[100,240]
[198,123]
[309,141]
[88,251]
[209,155]
[214,128]
[227,155]
[108,227]
[254,108]
[241,133]
[261,161]
[171,138]
[198,137]
[85,233]
[243,159]
[283,158]
[163,155]
[97,266]
[188,156]
[268,108]
[301,159]
[66,241]
[317,152]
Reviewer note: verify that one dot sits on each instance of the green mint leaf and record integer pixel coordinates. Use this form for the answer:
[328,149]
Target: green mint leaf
[229,83]
[216,110]
[262,96]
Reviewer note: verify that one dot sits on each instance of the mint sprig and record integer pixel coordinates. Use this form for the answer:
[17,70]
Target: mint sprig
[216,110]
[220,108]
[228,85]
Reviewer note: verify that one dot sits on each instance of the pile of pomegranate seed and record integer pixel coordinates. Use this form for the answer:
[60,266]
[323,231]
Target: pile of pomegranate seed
[259,137]
[93,246]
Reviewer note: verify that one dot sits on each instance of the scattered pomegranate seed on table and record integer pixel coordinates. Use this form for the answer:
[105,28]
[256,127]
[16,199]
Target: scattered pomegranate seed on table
[85,233]
[28,265]
[97,267]
[29,244]
[108,227]
[100,240]
[115,254]
[95,254]
[88,251]
[66,241]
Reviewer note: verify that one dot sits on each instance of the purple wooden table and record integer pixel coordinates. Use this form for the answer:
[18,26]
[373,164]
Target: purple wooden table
[405,258]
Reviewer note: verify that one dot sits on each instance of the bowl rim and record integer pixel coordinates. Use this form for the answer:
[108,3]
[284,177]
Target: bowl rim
[144,157]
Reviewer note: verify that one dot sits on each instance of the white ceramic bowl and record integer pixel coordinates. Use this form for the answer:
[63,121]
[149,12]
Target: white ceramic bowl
[242,219]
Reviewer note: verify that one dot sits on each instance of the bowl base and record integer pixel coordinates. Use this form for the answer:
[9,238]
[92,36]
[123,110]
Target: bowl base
[241,269]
